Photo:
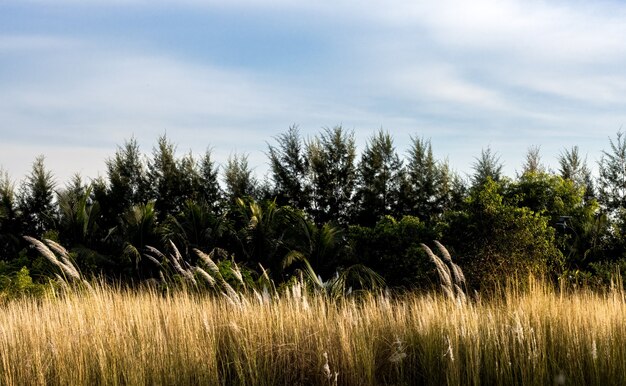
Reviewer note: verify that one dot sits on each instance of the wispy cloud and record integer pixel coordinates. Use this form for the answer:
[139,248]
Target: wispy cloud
[468,74]
[31,43]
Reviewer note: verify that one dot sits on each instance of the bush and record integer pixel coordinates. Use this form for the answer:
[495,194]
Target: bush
[501,240]
[20,285]
[392,249]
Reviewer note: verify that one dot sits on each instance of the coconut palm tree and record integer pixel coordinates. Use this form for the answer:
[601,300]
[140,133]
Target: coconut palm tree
[260,232]
[138,228]
[321,246]
[78,214]
[195,227]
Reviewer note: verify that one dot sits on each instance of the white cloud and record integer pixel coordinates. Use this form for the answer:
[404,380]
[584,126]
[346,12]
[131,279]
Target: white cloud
[594,88]
[25,43]
[510,73]
[258,4]
[90,100]
[86,87]
[442,84]
[571,29]
[95,99]
[526,64]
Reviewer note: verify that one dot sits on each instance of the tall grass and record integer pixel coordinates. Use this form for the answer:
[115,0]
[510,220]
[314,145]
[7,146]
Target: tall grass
[108,335]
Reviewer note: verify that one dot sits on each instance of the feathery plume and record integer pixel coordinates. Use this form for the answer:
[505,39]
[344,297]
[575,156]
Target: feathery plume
[68,269]
[457,272]
[209,279]
[237,272]
[156,252]
[444,252]
[213,268]
[442,269]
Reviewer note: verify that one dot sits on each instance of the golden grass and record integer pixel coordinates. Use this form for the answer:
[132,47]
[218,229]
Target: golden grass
[113,336]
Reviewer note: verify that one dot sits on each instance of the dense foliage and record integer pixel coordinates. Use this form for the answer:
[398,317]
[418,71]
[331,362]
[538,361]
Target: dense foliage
[327,208]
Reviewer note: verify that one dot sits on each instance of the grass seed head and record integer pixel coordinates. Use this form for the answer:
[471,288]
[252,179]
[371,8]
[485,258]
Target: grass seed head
[442,269]
[213,268]
[204,274]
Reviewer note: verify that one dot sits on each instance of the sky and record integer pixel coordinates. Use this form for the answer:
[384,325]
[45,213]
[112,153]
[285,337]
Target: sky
[80,77]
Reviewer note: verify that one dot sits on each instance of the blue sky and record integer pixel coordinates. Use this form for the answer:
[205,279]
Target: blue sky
[77,78]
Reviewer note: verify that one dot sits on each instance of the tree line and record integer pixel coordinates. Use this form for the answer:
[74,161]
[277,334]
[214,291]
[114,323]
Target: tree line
[326,207]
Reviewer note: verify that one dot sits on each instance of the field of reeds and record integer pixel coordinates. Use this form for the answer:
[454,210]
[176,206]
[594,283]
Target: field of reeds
[106,335]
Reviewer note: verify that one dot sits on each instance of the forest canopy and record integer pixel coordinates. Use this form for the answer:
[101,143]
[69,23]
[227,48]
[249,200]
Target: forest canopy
[328,208]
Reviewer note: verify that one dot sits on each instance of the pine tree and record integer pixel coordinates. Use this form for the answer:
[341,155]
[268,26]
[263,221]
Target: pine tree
[238,178]
[487,166]
[210,191]
[289,170]
[612,180]
[333,174]
[36,201]
[10,228]
[533,162]
[127,181]
[450,189]
[379,180]
[165,178]
[573,167]
[420,195]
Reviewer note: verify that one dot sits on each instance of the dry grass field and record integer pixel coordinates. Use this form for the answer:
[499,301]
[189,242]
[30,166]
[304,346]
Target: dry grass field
[121,337]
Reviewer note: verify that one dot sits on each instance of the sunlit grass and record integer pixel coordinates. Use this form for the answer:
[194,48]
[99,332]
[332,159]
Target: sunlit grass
[113,336]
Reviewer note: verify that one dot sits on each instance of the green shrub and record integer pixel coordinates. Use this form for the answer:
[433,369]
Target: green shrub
[392,249]
[20,285]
